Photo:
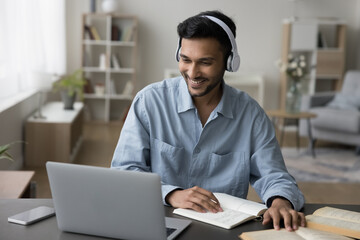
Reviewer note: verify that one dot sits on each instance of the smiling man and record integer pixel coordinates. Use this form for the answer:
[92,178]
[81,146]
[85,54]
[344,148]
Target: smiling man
[202,136]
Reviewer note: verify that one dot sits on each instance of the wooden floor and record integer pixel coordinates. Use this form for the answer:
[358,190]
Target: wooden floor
[99,141]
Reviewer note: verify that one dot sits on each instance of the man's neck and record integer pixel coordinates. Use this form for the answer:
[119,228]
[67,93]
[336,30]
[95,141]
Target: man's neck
[206,104]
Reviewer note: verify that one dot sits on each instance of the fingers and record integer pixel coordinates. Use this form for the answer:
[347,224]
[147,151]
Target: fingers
[291,218]
[195,198]
[205,200]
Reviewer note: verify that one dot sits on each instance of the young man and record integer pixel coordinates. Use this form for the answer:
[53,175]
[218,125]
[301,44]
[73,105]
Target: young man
[202,136]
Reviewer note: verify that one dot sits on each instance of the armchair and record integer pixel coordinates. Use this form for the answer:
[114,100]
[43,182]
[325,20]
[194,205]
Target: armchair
[338,113]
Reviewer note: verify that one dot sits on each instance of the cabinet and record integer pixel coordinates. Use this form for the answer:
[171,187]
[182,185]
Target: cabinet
[57,137]
[323,43]
[109,49]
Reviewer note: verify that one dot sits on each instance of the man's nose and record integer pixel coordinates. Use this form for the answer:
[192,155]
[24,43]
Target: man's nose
[193,71]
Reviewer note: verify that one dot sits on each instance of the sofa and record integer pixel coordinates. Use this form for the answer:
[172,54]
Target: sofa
[338,113]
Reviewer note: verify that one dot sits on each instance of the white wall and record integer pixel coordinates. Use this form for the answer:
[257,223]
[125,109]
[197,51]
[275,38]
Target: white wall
[258,32]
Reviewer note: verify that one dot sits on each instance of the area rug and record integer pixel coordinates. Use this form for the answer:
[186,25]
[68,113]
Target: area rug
[329,165]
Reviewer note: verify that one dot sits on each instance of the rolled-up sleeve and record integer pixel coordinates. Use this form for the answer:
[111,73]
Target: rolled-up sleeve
[269,176]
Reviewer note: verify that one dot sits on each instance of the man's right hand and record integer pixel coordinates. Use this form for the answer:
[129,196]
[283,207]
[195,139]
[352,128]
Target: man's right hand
[195,198]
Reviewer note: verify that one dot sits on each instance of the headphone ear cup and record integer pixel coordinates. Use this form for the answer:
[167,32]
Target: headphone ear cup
[178,51]
[235,62]
[229,63]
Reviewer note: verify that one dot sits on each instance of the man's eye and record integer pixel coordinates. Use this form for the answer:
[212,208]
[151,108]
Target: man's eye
[206,63]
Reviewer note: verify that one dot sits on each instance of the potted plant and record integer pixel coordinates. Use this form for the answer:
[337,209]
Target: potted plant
[4,154]
[69,86]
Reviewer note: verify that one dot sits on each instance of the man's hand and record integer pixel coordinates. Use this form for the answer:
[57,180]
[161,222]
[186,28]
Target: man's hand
[281,209]
[195,198]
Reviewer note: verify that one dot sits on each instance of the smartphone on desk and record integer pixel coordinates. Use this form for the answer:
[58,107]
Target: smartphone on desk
[32,215]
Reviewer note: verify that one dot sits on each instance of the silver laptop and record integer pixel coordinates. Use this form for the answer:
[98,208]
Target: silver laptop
[110,203]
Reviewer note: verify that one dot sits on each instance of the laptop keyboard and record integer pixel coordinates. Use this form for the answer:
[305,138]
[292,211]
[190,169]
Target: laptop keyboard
[170,231]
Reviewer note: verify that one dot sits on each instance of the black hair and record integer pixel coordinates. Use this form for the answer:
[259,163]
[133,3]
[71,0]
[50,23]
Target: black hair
[202,27]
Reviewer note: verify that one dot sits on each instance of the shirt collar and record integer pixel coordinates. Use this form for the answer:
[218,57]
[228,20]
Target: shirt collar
[225,105]
[185,102]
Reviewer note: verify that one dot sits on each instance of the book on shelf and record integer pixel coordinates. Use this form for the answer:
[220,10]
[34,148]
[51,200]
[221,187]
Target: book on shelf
[95,33]
[127,34]
[115,33]
[283,234]
[115,61]
[322,43]
[128,89]
[112,87]
[88,87]
[335,220]
[88,33]
[236,211]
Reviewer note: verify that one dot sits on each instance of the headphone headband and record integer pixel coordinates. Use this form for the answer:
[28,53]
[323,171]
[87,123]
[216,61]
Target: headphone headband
[233,62]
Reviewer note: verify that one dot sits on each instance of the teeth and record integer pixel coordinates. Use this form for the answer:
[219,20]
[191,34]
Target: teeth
[197,82]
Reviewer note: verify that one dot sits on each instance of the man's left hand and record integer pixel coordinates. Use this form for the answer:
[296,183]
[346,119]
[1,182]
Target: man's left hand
[282,209]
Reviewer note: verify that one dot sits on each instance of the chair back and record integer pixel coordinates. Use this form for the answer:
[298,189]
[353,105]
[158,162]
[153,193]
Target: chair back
[351,85]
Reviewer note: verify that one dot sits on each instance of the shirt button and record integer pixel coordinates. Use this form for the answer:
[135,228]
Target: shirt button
[197,150]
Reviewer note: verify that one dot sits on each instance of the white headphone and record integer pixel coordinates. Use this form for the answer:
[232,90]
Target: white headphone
[233,61]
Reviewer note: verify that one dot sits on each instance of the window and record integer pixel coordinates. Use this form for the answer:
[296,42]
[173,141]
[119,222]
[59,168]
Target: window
[32,39]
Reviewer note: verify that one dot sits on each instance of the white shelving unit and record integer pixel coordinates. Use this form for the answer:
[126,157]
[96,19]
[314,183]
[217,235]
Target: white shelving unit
[105,37]
[251,83]
[323,43]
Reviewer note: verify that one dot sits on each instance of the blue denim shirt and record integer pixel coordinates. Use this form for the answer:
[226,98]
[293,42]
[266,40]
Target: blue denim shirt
[237,145]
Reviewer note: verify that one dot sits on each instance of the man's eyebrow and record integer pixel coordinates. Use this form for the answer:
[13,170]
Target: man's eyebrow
[200,59]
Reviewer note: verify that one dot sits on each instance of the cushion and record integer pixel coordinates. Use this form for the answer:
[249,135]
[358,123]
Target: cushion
[345,101]
[336,119]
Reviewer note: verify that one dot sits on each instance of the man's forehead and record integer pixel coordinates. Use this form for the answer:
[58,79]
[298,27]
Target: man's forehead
[201,47]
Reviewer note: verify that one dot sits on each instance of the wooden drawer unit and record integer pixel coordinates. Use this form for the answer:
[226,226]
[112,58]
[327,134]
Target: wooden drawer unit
[56,138]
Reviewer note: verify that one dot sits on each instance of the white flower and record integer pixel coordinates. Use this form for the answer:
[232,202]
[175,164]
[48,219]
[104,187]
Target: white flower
[299,72]
[293,65]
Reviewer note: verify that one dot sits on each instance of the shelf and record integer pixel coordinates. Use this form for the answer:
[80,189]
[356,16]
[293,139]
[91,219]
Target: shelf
[111,43]
[122,44]
[93,96]
[93,69]
[108,96]
[95,42]
[304,36]
[116,53]
[121,97]
[328,76]
[122,70]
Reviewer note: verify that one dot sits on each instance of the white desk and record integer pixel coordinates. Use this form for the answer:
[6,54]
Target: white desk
[55,138]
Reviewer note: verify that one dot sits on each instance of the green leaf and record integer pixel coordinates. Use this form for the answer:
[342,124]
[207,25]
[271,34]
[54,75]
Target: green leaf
[4,148]
[6,155]
[3,151]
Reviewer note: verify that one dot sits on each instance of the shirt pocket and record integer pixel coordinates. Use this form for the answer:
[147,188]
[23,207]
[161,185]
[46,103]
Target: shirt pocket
[165,159]
[228,173]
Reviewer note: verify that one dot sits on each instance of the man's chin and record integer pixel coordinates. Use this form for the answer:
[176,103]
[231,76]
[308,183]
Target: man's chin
[197,94]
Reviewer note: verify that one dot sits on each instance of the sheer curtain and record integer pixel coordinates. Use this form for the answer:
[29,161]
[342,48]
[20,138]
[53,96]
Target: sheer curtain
[32,39]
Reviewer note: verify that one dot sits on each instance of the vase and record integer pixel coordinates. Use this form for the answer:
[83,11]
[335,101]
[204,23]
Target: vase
[110,6]
[68,100]
[293,97]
